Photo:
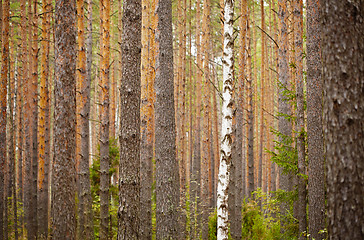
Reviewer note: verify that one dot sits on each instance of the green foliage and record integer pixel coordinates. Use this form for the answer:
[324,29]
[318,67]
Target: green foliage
[11,219]
[95,189]
[262,219]
[285,155]
[213,226]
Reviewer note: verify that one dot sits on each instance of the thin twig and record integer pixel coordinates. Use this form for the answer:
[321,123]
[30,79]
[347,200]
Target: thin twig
[268,36]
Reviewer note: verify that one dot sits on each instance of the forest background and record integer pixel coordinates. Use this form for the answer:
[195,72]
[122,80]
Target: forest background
[144,111]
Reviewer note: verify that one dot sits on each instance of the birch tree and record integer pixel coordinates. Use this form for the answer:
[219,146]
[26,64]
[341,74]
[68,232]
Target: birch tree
[226,130]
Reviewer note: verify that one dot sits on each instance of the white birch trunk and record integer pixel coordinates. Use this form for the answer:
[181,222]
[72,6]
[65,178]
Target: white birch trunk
[226,124]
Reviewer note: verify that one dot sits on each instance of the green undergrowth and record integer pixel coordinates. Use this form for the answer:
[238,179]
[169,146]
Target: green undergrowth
[262,218]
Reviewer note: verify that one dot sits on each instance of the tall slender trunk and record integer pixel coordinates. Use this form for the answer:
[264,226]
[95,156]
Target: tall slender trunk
[284,108]
[196,164]
[64,165]
[227,110]
[129,184]
[11,146]
[206,145]
[28,121]
[44,99]
[33,210]
[181,108]
[298,42]
[315,147]
[275,64]
[167,177]
[23,79]
[104,119]
[3,102]
[83,77]
[262,93]
[146,135]
[215,137]
[237,151]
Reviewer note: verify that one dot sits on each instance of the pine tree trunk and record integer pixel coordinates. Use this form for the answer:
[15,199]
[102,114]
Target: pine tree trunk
[104,119]
[206,142]
[11,146]
[275,64]
[250,112]
[89,70]
[3,120]
[284,126]
[43,101]
[196,163]
[315,147]
[83,77]
[64,166]
[146,135]
[262,98]
[227,110]
[33,210]
[343,74]
[129,184]
[23,79]
[298,42]
[167,177]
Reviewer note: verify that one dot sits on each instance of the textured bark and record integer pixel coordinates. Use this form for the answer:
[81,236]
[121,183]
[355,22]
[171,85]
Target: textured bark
[12,129]
[343,74]
[284,108]
[129,184]
[64,165]
[275,64]
[167,179]
[33,203]
[262,98]
[315,148]
[22,81]
[89,68]
[196,162]
[216,140]
[28,121]
[83,78]
[206,142]
[250,112]
[3,104]
[182,110]
[226,130]
[104,119]
[146,135]
[298,42]
[236,178]
[43,165]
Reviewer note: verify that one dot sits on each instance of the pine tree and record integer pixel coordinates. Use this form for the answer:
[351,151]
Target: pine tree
[43,166]
[315,147]
[167,177]
[3,102]
[129,183]
[64,166]
[343,74]
[85,224]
